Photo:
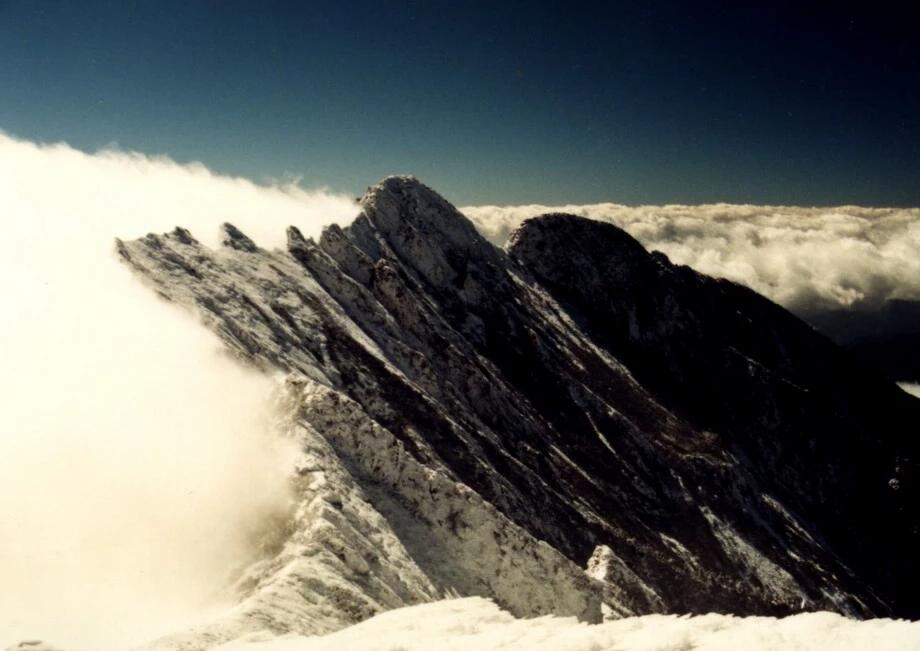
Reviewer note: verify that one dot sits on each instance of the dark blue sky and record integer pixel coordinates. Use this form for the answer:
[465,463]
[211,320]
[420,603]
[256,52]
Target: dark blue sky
[630,102]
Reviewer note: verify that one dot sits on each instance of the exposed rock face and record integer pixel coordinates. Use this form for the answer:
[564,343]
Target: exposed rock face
[484,422]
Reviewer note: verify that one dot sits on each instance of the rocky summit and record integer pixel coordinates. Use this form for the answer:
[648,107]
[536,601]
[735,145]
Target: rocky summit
[571,425]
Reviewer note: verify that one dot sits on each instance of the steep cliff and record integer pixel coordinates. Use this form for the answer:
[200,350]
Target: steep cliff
[571,426]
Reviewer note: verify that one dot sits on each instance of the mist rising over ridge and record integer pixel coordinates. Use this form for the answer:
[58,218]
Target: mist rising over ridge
[136,459]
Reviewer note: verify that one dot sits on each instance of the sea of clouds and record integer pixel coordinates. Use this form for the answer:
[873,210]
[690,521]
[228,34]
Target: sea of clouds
[137,468]
[807,259]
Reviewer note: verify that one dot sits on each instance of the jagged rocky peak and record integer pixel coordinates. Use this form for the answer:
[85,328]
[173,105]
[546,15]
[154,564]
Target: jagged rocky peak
[403,209]
[567,424]
[234,238]
[403,218]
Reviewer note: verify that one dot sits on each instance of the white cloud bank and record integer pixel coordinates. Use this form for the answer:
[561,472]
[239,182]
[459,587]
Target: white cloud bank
[475,623]
[135,465]
[803,258]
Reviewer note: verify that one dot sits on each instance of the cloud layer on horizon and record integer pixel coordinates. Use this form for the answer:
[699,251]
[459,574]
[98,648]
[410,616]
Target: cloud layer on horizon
[803,258]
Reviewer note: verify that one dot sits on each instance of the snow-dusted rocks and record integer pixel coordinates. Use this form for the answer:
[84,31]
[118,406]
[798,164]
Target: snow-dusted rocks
[475,623]
[491,423]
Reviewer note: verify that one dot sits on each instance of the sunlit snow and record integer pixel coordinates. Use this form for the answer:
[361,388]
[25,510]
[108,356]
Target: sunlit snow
[476,623]
[911,388]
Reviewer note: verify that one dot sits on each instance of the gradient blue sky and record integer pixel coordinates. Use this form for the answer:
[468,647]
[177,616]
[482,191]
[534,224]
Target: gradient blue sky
[634,102]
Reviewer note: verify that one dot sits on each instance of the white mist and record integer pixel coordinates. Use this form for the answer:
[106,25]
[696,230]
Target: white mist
[136,462]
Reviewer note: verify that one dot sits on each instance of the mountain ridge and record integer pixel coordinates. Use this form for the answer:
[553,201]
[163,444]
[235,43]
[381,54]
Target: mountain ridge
[571,401]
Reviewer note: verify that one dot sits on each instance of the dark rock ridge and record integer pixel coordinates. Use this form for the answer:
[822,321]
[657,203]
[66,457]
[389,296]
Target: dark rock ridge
[885,338]
[693,445]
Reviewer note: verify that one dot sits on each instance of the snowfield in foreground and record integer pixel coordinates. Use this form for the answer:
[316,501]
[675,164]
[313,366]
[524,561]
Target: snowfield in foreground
[476,623]
[911,388]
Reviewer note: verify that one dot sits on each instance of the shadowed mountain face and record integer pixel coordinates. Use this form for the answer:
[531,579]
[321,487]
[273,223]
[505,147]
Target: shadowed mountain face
[693,445]
[886,338]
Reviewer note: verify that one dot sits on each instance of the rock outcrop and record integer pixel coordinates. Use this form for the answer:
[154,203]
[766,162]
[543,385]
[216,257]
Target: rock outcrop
[567,424]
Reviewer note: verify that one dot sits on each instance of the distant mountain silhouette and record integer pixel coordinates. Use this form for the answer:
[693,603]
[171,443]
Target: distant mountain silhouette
[886,338]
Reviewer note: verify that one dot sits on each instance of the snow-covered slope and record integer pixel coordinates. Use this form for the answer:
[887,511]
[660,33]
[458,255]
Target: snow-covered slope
[475,623]
[571,426]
